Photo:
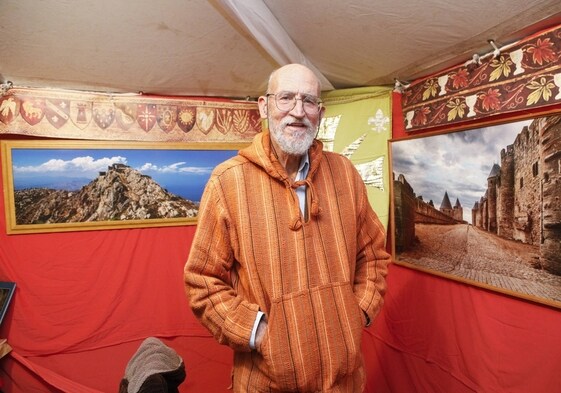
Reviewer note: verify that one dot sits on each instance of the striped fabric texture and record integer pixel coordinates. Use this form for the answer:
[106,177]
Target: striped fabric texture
[313,276]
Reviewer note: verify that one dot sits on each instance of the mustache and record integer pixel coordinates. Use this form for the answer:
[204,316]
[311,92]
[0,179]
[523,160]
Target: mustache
[288,120]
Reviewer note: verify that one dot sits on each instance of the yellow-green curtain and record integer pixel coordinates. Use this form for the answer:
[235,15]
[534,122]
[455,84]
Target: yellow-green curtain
[357,123]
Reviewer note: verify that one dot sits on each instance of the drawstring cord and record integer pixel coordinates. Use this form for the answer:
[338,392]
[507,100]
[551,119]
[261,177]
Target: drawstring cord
[315,209]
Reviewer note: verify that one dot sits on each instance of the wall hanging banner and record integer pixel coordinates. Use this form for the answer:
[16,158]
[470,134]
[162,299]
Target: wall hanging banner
[357,123]
[527,75]
[83,115]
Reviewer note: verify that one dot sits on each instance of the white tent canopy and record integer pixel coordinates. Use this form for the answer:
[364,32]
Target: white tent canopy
[228,48]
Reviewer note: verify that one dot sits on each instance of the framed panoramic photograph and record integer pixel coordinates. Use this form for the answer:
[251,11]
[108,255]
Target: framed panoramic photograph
[57,186]
[482,206]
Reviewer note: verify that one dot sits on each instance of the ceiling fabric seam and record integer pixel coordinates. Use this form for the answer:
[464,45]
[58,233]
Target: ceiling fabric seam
[255,17]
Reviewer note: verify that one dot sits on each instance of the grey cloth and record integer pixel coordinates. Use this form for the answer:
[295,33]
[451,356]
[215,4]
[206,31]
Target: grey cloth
[152,357]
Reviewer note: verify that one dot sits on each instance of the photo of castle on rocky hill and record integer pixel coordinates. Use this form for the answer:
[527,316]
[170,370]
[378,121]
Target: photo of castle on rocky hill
[64,186]
[483,206]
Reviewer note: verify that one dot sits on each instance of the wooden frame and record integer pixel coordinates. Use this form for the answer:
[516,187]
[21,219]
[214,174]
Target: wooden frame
[59,186]
[481,206]
[7,290]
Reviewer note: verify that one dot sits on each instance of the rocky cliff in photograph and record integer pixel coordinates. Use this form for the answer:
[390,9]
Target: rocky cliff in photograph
[120,193]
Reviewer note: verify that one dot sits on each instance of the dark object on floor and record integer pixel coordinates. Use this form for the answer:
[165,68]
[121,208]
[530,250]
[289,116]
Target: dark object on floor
[154,368]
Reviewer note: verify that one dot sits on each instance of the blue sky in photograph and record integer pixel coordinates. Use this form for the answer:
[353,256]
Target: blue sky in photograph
[181,172]
[458,163]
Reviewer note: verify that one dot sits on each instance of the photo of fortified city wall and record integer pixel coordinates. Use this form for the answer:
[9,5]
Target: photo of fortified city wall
[503,231]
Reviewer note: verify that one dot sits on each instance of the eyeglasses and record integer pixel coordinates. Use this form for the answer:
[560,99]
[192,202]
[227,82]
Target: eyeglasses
[286,101]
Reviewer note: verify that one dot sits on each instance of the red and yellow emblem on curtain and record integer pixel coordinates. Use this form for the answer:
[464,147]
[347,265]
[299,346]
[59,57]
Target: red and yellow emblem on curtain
[77,115]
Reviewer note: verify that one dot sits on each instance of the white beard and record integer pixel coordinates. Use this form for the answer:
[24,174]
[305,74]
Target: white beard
[298,143]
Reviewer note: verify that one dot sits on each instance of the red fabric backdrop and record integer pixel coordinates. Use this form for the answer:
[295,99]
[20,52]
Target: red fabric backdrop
[85,301]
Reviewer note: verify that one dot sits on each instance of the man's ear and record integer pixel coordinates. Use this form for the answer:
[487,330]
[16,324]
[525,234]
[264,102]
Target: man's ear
[263,109]
[321,113]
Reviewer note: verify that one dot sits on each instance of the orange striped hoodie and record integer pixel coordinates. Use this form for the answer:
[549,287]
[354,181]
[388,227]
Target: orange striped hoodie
[314,277]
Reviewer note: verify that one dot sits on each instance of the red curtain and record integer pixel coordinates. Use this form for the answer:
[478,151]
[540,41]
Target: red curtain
[437,335]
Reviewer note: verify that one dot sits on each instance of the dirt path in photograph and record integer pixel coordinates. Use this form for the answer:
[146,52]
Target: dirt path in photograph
[468,252]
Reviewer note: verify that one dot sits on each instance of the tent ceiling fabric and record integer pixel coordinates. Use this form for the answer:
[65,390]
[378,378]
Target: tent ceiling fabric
[227,48]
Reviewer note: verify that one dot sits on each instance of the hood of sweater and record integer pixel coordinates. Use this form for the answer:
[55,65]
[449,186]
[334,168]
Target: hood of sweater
[261,154]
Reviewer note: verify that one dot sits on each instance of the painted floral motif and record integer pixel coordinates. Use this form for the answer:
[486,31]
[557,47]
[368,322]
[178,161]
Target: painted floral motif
[421,117]
[542,89]
[460,78]
[431,89]
[491,100]
[502,67]
[543,52]
[457,109]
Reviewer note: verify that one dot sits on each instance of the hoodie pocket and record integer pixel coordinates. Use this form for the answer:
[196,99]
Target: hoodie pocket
[313,338]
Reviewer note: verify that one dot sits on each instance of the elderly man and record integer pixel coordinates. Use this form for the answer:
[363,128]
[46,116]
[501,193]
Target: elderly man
[288,263]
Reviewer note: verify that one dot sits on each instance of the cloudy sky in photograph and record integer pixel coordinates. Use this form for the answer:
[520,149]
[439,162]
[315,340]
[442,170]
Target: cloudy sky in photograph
[458,163]
[182,172]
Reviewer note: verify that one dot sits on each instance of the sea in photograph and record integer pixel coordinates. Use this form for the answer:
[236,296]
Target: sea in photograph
[181,172]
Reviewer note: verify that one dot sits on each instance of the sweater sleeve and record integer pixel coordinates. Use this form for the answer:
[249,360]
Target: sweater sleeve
[372,259]
[207,275]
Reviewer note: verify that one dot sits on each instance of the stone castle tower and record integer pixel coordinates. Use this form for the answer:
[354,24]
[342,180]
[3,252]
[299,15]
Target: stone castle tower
[522,200]
[456,212]
[527,186]
[446,206]
[492,181]
[505,192]
[550,162]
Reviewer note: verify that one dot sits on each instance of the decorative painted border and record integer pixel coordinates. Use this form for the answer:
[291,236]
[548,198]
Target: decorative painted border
[77,115]
[527,76]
